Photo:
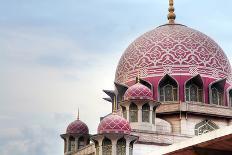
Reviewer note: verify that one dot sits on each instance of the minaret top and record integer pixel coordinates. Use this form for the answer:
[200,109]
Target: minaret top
[114,106]
[78,114]
[171,14]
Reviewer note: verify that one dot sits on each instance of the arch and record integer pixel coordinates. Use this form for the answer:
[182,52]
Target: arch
[81,142]
[194,89]
[106,146]
[205,126]
[124,112]
[133,112]
[71,143]
[168,89]
[216,91]
[121,146]
[146,112]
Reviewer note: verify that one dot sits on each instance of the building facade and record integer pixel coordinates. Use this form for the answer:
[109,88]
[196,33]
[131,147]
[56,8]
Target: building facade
[171,84]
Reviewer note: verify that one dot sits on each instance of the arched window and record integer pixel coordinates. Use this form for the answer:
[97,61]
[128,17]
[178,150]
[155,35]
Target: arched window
[106,147]
[205,127]
[81,142]
[124,114]
[217,92]
[146,112]
[194,89]
[168,89]
[230,98]
[121,146]
[71,145]
[133,112]
[217,97]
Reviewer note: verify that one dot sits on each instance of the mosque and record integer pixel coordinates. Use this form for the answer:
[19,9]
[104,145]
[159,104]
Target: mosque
[172,96]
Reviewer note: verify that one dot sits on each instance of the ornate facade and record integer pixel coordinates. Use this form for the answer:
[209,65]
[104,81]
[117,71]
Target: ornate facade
[171,84]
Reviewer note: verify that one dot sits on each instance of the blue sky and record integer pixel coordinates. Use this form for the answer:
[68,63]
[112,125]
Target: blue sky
[58,55]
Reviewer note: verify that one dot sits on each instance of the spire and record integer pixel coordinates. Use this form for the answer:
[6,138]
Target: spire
[78,115]
[114,106]
[171,14]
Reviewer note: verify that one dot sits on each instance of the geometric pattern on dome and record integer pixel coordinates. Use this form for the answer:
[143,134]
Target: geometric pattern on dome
[138,91]
[77,127]
[176,46]
[114,124]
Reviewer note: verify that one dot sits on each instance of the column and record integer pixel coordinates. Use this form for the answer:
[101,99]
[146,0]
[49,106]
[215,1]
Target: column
[127,147]
[114,147]
[76,143]
[150,114]
[67,144]
[127,113]
[139,114]
[100,146]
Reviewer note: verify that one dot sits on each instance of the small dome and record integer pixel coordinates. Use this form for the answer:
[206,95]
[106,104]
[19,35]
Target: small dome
[138,91]
[114,124]
[77,127]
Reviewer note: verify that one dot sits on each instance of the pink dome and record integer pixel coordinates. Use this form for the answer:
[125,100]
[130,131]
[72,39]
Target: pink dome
[138,91]
[173,49]
[114,123]
[77,127]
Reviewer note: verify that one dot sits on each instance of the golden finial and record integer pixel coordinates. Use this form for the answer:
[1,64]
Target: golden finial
[114,108]
[78,115]
[171,15]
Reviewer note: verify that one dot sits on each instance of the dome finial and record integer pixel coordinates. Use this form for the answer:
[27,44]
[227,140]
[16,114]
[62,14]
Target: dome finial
[171,14]
[78,115]
[114,106]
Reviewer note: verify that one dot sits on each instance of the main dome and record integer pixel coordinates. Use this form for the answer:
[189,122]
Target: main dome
[173,49]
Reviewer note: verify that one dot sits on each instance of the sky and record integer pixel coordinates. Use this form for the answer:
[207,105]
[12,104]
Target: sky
[58,55]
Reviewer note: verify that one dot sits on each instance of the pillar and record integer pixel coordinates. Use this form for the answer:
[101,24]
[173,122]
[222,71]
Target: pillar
[139,114]
[150,114]
[127,147]
[114,147]
[76,143]
[67,144]
[127,113]
[100,146]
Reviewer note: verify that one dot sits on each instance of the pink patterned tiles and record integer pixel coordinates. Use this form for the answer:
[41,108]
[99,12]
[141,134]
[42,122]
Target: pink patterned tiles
[138,91]
[169,49]
[114,124]
[77,127]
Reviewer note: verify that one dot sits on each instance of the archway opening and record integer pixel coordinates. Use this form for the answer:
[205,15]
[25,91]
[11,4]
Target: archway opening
[133,112]
[168,89]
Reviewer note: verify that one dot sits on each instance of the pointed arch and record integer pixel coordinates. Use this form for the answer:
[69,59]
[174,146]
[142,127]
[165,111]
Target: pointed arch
[133,112]
[106,146]
[216,92]
[194,89]
[205,126]
[121,146]
[168,89]
[145,112]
